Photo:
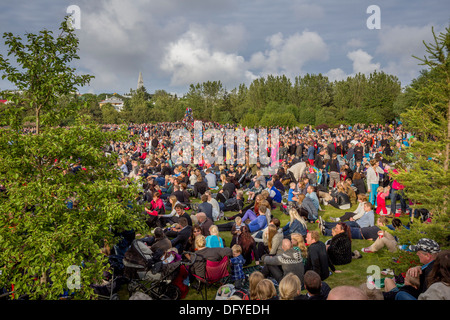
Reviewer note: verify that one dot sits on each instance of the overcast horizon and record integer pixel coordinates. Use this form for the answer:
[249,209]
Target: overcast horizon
[176,43]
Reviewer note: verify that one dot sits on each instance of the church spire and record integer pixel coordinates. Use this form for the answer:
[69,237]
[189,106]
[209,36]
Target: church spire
[140,81]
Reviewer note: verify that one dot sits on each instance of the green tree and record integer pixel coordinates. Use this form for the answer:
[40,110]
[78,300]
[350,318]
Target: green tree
[44,73]
[110,115]
[427,158]
[65,201]
[423,166]
[379,97]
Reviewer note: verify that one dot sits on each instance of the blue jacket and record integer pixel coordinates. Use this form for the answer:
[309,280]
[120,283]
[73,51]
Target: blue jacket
[314,198]
[258,224]
[278,197]
[294,227]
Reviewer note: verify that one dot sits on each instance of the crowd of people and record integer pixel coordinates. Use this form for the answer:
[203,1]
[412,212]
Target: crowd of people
[188,205]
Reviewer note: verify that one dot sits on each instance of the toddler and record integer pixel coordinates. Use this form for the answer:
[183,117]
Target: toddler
[382,193]
[237,266]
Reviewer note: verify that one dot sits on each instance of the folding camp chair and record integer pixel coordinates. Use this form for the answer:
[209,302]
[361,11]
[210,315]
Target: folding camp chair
[214,273]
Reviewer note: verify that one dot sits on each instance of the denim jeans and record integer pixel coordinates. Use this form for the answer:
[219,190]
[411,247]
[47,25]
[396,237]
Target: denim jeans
[397,194]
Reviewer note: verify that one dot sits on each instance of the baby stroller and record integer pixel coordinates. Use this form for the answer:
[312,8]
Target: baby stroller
[157,274]
[112,281]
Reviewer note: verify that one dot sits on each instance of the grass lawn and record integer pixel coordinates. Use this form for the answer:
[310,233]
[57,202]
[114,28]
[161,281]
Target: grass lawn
[354,273]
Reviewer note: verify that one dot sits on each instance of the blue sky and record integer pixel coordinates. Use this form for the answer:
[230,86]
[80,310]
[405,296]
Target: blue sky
[178,42]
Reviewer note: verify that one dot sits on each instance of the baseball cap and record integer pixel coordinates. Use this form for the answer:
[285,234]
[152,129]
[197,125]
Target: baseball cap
[426,245]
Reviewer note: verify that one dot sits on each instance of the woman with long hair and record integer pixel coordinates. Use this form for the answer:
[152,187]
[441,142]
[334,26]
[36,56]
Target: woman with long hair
[298,243]
[296,224]
[247,244]
[439,279]
[253,280]
[339,247]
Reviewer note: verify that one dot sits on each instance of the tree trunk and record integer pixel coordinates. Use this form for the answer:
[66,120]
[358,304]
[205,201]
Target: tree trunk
[38,111]
[447,147]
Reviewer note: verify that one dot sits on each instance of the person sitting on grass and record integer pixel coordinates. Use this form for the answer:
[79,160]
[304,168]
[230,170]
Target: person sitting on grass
[367,220]
[296,224]
[355,215]
[384,238]
[290,287]
[254,191]
[214,240]
[318,260]
[411,286]
[315,287]
[279,265]
[339,247]
[292,194]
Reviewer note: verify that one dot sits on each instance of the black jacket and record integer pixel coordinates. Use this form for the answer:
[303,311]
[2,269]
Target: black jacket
[200,188]
[340,249]
[318,260]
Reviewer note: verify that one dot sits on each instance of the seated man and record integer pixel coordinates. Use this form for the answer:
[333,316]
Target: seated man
[204,222]
[315,287]
[180,212]
[411,287]
[206,207]
[180,234]
[281,264]
[367,220]
[158,241]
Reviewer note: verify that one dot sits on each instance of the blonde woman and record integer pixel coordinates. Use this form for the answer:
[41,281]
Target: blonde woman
[290,287]
[296,224]
[214,240]
[259,177]
[298,243]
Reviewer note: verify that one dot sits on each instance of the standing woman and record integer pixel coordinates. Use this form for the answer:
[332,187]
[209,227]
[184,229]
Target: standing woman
[373,180]
[334,169]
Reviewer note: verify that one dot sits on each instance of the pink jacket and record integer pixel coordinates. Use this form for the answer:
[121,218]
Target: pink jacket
[395,184]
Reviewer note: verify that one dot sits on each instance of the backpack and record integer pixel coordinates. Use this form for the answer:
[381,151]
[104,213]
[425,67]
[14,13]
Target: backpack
[241,293]
[232,204]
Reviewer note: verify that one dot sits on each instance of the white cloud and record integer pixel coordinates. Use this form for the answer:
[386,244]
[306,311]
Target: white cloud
[289,55]
[336,75]
[192,59]
[195,58]
[362,62]
[400,41]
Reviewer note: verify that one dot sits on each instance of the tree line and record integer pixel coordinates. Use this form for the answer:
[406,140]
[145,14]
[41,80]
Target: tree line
[311,99]
[272,100]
